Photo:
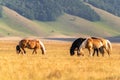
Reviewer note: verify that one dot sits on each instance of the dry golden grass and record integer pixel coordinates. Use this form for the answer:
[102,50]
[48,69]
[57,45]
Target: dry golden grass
[57,64]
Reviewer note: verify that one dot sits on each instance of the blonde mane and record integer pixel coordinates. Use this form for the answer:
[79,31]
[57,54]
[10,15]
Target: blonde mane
[83,45]
[109,44]
[43,47]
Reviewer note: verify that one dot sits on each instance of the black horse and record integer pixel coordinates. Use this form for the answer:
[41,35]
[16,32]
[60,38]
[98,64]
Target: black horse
[76,44]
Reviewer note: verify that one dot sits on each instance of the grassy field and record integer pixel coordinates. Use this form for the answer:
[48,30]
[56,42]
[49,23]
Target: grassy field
[57,64]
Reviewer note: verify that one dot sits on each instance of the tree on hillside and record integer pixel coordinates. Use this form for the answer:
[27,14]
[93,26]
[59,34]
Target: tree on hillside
[78,8]
[45,10]
[112,6]
[48,10]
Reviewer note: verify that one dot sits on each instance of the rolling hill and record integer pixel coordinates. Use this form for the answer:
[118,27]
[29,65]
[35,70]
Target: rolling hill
[13,24]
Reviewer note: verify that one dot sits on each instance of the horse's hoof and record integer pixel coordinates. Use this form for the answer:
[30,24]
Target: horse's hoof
[78,54]
[82,54]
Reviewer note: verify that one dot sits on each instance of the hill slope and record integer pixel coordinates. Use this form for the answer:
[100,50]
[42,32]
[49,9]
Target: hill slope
[13,24]
[50,10]
[16,24]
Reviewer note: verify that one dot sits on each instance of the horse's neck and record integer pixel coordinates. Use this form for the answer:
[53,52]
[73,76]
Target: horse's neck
[83,45]
[74,45]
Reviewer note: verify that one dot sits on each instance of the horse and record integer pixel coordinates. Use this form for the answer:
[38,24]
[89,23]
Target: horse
[106,45]
[30,44]
[76,44]
[95,43]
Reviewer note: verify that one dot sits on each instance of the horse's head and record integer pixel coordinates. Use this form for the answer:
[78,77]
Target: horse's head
[72,51]
[18,50]
[76,44]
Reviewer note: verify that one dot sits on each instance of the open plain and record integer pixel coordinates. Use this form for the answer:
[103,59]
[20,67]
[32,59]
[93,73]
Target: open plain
[57,64]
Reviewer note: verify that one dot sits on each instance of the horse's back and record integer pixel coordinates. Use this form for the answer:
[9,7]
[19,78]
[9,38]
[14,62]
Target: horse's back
[94,42]
[33,44]
[23,42]
[29,43]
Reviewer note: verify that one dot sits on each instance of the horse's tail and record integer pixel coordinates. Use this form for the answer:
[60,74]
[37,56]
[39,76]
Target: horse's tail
[109,45]
[42,47]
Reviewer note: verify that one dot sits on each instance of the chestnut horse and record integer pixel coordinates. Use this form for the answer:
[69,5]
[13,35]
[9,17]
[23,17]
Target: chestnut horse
[96,43]
[77,43]
[106,45]
[30,44]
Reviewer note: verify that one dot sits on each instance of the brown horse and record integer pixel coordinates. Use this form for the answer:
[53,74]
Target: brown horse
[95,43]
[106,45]
[30,44]
[76,44]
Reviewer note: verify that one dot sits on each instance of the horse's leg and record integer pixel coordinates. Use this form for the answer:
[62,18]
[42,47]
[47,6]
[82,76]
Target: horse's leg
[78,51]
[108,51]
[103,54]
[95,50]
[24,52]
[90,51]
[19,51]
[33,51]
[101,49]
[42,50]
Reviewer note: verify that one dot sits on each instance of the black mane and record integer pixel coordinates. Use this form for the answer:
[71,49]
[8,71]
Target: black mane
[76,44]
[18,50]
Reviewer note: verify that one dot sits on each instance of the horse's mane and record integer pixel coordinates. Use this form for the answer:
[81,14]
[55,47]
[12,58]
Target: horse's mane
[77,42]
[94,37]
[83,45]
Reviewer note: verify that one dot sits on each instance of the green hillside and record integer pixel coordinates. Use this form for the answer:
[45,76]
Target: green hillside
[13,24]
[112,6]
[50,10]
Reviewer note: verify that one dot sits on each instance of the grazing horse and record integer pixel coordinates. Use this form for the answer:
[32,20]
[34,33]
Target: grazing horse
[77,43]
[96,43]
[106,45]
[75,46]
[30,44]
